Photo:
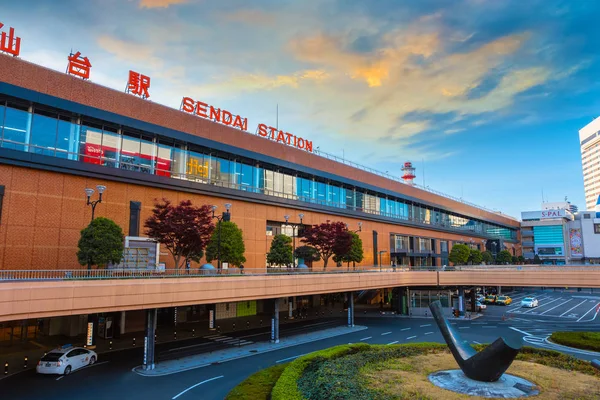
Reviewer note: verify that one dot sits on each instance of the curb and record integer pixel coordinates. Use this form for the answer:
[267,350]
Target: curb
[138,370]
[572,349]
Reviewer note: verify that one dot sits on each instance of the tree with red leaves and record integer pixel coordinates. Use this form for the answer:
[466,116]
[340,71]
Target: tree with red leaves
[328,238]
[183,229]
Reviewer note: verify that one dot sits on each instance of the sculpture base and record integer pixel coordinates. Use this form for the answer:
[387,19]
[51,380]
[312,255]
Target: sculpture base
[507,387]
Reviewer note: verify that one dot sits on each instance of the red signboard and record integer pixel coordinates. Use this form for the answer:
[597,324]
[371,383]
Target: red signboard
[79,66]
[138,84]
[9,43]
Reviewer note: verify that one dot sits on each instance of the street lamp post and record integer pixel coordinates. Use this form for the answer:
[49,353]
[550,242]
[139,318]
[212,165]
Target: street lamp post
[226,216]
[494,250]
[294,228]
[89,192]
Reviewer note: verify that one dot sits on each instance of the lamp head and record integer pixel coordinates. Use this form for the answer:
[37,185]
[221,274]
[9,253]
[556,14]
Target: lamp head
[301,216]
[227,206]
[89,192]
[214,208]
[287,217]
[360,226]
[101,188]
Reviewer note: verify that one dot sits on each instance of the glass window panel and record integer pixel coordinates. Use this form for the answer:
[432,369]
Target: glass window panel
[259,179]
[225,171]
[321,193]
[179,169]
[43,134]
[350,199]
[343,198]
[67,141]
[111,144]
[333,195]
[90,147]
[269,183]
[17,124]
[147,155]
[197,167]
[164,157]
[247,177]
[288,185]
[130,150]
[277,184]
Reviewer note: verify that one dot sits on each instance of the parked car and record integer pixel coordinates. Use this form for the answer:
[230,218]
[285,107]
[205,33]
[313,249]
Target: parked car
[529,302]
[503,300]
[481,298]
[480,306]
[65,359]
[490,299]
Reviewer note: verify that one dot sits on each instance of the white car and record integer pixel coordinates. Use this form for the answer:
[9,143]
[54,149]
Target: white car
[480,306]
[529,302]
[64,360]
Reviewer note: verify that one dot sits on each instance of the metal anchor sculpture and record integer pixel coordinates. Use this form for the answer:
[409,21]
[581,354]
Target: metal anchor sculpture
[489,364]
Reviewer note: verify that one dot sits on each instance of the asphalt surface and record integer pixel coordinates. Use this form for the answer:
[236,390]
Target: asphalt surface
[112,376]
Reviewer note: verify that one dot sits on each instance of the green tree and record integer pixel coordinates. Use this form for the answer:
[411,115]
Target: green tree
[307,253]
[475,257]
[487,257]
[101,243]
[281,252]
[232,244]
[514,260]
[504,257]
[459,254]
[355,254]
[537,259]
[521,259]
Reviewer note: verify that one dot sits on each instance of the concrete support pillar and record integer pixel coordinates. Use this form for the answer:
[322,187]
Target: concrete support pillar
[149,339]
[90,340]
[275,322]
[473,300]
[350,309]
[122,323]
[212,317]
[499,290]
[291,307]
[461,301]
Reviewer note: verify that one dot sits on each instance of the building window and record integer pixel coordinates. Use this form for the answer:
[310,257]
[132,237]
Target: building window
[596,228]
[587,216]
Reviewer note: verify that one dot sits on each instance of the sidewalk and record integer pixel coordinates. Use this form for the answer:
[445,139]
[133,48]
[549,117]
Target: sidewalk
[203,360]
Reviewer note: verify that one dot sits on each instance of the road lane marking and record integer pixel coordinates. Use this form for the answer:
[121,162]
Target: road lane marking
[405,329]
[423,326]
[410,337]
[429,333]
[489,327]
[518,330]
[385,333]
[572,308]
[590,310]
[197,384]
[366,338]
[476,342]
[564,302]
[86,367]
[463,327]
[60,377]
[393,342]
[290,358]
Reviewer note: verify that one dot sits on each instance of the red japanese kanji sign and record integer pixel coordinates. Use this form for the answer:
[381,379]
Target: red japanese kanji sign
[9,43]
[79,66]
[138,84]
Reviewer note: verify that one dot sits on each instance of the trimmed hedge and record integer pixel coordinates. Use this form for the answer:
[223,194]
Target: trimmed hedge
[257,386]
[579,340]
[286,387]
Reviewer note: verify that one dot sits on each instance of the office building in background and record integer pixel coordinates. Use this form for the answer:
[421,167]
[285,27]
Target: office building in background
[589,139]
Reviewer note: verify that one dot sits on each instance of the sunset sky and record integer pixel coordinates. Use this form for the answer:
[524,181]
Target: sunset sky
[488,94]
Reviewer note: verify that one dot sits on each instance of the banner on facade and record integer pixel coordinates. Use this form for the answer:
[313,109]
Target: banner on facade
[576,243]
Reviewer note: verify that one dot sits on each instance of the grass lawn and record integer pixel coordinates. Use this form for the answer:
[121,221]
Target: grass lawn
[257,386]
[579,340]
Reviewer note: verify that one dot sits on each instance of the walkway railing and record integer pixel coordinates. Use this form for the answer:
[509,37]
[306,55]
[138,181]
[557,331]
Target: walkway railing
[118,273]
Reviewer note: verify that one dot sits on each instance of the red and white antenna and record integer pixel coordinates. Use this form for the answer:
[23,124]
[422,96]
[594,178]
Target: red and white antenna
[409,173]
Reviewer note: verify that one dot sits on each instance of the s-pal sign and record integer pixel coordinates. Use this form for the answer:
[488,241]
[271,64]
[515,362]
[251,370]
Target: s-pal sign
[544,214]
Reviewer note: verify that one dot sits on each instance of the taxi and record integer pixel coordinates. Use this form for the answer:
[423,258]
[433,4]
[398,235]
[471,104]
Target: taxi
[503,300]
[490,299]
[65,359]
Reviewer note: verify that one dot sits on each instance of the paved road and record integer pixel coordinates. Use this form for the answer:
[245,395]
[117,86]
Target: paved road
[112,376]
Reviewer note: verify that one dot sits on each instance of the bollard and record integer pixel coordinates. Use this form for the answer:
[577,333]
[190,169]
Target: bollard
[248,324]
[261,322]
[6,368]
[219,329]
[175,335]
[155,338]
[193,332]
[234,326]
[25,363]
[133,342]
[110,345]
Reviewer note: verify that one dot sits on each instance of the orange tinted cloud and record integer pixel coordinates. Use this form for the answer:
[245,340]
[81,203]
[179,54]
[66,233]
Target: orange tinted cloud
[160,3]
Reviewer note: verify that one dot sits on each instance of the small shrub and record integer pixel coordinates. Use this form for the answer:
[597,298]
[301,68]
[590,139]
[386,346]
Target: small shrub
[257,386]
[579,340]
